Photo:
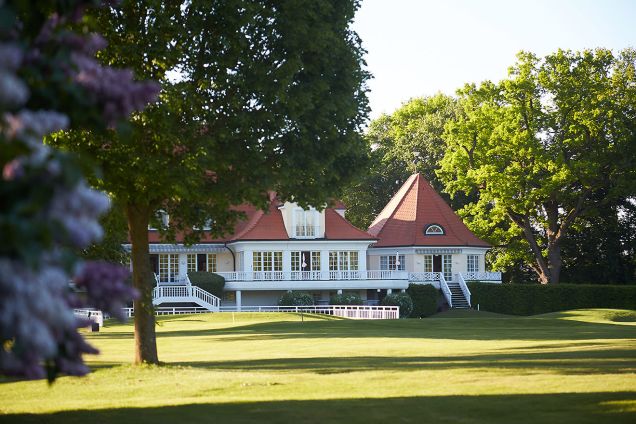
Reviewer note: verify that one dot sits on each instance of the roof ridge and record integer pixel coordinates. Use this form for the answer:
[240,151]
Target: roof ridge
[400,196]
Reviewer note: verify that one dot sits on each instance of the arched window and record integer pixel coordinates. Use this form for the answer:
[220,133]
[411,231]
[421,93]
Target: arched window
[434,230]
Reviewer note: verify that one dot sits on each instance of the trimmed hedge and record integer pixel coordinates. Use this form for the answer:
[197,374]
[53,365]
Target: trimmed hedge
[425,299]
[296,299]
[526,299]
[346,299]
[208,281]
[403,300]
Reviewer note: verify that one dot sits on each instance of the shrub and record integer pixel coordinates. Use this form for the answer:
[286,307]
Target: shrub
[526,299]
[403,300]
[425,299]
[346,299]
[208,281]
[296,299]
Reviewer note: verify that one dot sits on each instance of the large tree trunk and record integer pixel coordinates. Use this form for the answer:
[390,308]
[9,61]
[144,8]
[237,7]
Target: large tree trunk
[145,337]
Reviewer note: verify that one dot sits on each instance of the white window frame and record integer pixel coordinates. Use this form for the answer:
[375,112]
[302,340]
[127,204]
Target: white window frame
[306,223]
[434,230]
[347,260]
[472,263]
[387,263]
[168,267]
[267,260]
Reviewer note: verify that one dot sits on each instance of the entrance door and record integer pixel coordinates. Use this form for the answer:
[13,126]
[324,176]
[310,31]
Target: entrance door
[437,263]
[305,261]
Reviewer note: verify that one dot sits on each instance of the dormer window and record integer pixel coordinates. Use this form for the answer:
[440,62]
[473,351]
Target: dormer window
[434,230]
[306,223]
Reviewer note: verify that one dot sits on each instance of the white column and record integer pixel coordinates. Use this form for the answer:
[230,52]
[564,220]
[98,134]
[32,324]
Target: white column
[238,300]
[183,265]
[248,264]
[287,263]
[362,260]
[324,264]
[389,291]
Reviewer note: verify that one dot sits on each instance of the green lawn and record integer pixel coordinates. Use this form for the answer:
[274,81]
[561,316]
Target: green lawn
[457,367]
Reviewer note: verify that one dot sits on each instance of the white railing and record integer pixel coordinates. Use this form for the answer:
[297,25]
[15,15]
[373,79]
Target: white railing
[185,293]
[305,275]
[445,289]
[181,280]
[482,276]
[464,287]
[170,310]
[343,311]
[425,276]
[312,275]
[91,314]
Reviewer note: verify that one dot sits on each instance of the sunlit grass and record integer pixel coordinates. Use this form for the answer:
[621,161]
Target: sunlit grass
[462,366]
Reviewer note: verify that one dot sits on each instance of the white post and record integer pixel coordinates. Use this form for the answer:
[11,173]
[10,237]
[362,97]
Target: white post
[238,300]
[389,291]
[324,264]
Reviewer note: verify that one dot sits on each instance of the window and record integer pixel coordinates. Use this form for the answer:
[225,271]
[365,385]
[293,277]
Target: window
[211,262]
[472,263]
[306,223]
[343,261]
[428,263]
[387,263]
[434,230]
[447,263]
[192,263]
[201,262]
[168,268]
[267,261]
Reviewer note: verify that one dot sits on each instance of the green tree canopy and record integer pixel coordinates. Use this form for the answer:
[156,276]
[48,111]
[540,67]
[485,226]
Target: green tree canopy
[259,97]
[552,142]
[408,140]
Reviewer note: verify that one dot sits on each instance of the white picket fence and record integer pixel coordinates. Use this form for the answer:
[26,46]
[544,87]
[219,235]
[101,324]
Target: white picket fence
[343,311]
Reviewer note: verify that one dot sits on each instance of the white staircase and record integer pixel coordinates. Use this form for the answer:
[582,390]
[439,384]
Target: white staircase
[460,295]
[185,294]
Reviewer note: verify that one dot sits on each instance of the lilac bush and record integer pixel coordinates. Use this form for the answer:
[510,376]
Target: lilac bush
[51,81]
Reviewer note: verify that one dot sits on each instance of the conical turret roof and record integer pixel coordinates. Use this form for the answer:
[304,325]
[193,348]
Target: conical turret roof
[414,208]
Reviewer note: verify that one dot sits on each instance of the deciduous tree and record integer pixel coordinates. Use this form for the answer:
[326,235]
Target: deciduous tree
[553,141]
[256,96]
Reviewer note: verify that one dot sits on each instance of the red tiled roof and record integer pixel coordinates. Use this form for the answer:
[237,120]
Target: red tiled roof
[415,206]
[260,225]
[338,228]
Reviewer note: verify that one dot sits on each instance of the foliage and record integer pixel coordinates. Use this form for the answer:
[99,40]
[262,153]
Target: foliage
[425,299]
[208,281]
[532,299]
[346,299]
[417,126]
[602,246]
[49,80]
[266,98]
[292,298]
[110,248]
[552,142]
[403,300]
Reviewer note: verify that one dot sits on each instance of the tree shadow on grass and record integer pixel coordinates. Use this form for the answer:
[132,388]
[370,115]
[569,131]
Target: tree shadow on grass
[582,362]
[561,408]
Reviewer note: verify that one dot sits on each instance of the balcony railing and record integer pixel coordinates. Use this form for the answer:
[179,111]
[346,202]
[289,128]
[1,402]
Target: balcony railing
[482,276]
[312,275]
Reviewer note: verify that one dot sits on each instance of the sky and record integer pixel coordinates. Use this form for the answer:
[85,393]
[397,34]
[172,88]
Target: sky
[422,47]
